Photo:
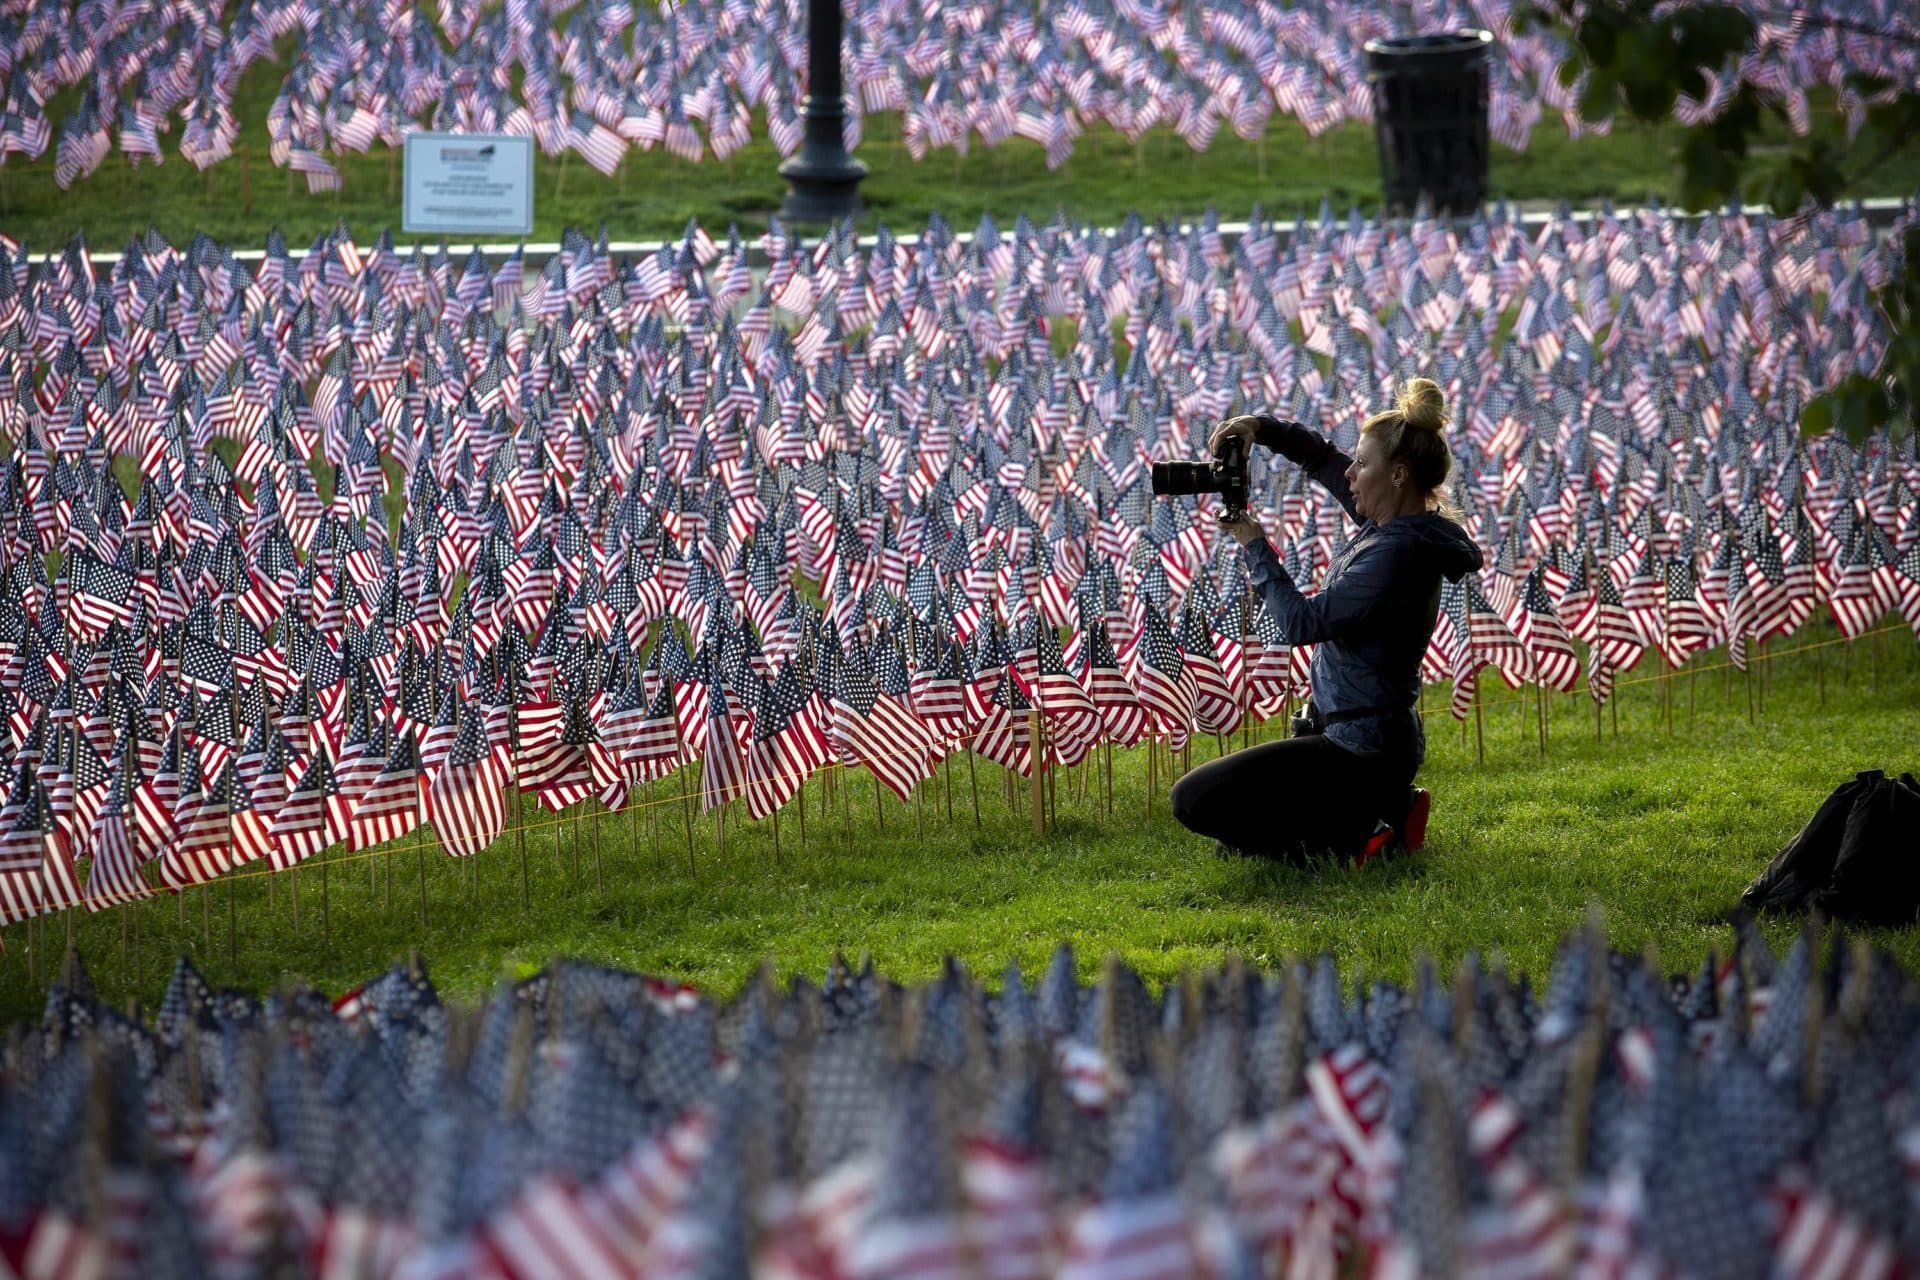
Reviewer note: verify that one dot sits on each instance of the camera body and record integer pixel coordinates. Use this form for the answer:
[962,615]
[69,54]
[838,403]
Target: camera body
[1224,474]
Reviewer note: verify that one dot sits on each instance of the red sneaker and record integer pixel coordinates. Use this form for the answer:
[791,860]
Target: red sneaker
[1376,844]
[1413,831]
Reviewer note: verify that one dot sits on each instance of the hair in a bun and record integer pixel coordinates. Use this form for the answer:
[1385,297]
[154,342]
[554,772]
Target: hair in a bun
[1419,401]
[1414,432]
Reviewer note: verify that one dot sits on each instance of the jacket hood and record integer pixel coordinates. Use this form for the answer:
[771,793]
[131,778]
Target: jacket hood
[1441,539]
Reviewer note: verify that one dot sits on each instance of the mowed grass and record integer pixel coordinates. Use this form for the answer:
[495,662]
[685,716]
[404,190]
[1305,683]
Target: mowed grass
[653,195]
[1661,829]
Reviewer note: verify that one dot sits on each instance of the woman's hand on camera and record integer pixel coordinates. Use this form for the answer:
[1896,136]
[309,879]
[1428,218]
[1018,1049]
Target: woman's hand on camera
[1246,530]
[1242,428]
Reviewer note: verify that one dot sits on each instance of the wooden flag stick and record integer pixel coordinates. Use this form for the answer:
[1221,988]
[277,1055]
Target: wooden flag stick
[1541,691]
[520,837]
[1051,780]
[1107,770]
[686,812]
[653,824]
[1152,780]
[1038,759]
[1666,663]
[326,905]
[599,880]
[420,851]
[946,785]
[879,813]
[1666,690]
[573,829]
[1479,726]
[776,837]
[973,785]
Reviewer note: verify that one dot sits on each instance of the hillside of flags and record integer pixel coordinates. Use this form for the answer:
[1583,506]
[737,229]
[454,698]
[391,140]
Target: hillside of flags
[587,1123]
[691,76]
[397,534]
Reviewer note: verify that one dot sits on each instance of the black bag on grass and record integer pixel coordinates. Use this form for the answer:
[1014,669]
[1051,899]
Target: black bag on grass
[1857,859]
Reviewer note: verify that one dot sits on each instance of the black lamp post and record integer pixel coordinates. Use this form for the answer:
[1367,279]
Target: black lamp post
[823,181]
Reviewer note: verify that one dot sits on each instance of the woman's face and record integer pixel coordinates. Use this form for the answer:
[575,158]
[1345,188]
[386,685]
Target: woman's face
[1375,496]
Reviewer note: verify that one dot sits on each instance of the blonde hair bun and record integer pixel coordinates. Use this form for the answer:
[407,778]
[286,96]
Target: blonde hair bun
[1421,405]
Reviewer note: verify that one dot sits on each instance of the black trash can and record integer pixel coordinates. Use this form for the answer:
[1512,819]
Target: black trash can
[1430,118]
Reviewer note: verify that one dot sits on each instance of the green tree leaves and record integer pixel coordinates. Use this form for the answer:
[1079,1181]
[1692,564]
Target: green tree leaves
[1640,56]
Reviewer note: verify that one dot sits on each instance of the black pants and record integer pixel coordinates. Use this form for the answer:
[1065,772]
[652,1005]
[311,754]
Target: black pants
[1294,798]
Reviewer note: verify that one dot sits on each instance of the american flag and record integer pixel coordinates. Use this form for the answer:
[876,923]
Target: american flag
[203,848]
[313,816]
[467,801]
[1003,733]
[1164,685]
[724,764]
[1856,605]
[392,804]
[1140,1227]
[100,595]
[114,877]
[1555,662]
[786,745]
[878,730]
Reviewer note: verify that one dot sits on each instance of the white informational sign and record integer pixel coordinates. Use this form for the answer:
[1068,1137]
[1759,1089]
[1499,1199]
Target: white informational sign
[468,184]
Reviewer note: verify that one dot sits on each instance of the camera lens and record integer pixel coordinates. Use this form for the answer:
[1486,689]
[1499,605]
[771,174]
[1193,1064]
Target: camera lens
[1170,478]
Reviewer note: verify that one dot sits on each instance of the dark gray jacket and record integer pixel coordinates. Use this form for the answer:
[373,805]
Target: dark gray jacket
[1375,610]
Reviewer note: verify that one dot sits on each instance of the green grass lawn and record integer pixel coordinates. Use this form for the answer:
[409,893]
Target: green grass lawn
[654,194]
[1661,828]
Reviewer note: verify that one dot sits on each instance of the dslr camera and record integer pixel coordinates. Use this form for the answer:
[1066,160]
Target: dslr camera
[1225,474]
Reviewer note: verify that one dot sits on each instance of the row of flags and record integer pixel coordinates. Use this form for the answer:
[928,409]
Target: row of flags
[690,76]
[1759,1117]
[334,548]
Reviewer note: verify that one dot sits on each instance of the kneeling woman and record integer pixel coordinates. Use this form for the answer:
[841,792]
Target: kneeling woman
[1330,789]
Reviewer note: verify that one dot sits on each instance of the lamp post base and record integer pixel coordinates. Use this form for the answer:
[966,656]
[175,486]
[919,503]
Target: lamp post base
[822,188]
